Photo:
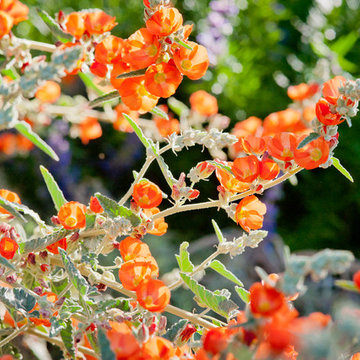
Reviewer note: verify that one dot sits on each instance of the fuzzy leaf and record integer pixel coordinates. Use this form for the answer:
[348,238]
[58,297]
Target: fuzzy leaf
[120,303]
[218,232]
[104,98]
[221,166]
[25,129]
[6,263]
[11,208]
[178,107]
[104,344]
[113,209]
[131,74]
[54,26]
[67,337]
[56,326]
[183,44]
[175,330]
[338,166]
[244,294]
[169,177]
[76,278]
[87,80]
[220,268]
[308,139]
[158,112]
[17,298]
[219,303]
[183,259]
[347,285]
[53,188]
[69,308]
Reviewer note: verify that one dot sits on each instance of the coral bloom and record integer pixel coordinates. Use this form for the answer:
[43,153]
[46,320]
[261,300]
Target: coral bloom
[153,295]
[325,115]
[75,24]
[355,356]
[131,248]
[72,215]
[192,63]
[162,79]
[203,103]
[158,348]
[167,127]
[312,154]
[147,194]
[6,23]
[17,10]
[250,213]
[252,144]
[282,146]
[9,196]
[265,300]
[288,120]
[356,279]
[49,92]
[302,91]
[269,169]
[90,129]
[160,226]
[228,181]
[98,22]
[95,205]
[164,21]
[8,247]
[109,51]
[246,169]
[54,248]
[121,124]
[216,340]
[331,89]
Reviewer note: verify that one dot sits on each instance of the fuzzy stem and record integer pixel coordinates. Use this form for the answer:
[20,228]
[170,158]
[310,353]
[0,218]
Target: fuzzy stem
[13,335]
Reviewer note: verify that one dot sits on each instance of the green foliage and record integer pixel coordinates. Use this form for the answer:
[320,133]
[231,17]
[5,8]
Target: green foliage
[244,294]
[68,337]
[220,268]
[183,259]
[6,263]
[218,232]
[19,299]
[308,139]
[336,163]
[104,344]
[175,330]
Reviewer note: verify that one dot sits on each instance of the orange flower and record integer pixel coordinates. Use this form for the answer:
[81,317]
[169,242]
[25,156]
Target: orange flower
[269,169]
[331,89]
[158,348]
[165,21]
[265,300]
[95,205]
[6,23]
[325,115]
[134,94]
[109,51]
[203,103]
[72,215]
[250,213]
[160,226]
[133,272]
[167,127]
[153,295]
[9,196]
[23,143]
[40,321]
[192,63]
[49,92]
[98,22]
[288,120]
[247,127]
[216,340]
[147,194]
[90,129]
[282,146]
[312,154]
[142,49]
[162,79]
[252,144]
[302,91]
[6,357]
[17,10]
[121,124]
[8,247]
[356,279]
[131,248]
[228,181]
[355,356]
[8,143]
[54,248]
[99,69]
[75,24]
[246,169]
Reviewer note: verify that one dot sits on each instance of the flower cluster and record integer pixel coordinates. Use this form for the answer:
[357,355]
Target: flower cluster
[11,13]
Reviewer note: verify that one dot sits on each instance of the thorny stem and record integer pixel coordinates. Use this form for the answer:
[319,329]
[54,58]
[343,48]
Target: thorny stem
[13,335]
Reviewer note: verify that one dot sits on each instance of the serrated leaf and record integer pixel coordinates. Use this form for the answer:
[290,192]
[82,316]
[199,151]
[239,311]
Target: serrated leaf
[27,211]
[90,221]
[175,330]
[308,139]
[220,268]
[68,338]
[336,163]
[158,112]
[57,196]
[218,303]
[25,129]
[42,242]
[347,285]
[104,345]
[243,293]
[113,209]
[10,207]
[131,74]
[178,107]
[183,259]
[17,298]
[76,278]
[112,95]
[120,303]
[88,82]
[6,263]
[69,308]
[54,26]
[56,326]
[218,232]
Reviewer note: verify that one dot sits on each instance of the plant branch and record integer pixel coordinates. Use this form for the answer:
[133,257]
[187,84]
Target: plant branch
[13,335]
[37,45]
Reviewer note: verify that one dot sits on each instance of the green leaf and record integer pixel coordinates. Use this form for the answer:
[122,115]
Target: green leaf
[113,209]
[56,326]
[158,112]
[173,333]
[10,73]
[244,294]
[308,139]
[183,259]
[218,232]
[42,242]
[119,303]
[131,74]
[76,278]
[104,344]
[10,207]
[25,129]
[104,98]
[347,285]
[221,166]
[219,303]
[146,142]
[338,166]
[69,308]
[18,298]
[7,264]
[87,80]
[169,177]
[220,268]
[183,44]
[54,26]
[344,44]
[67,337]
[178,107]
[53,188]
